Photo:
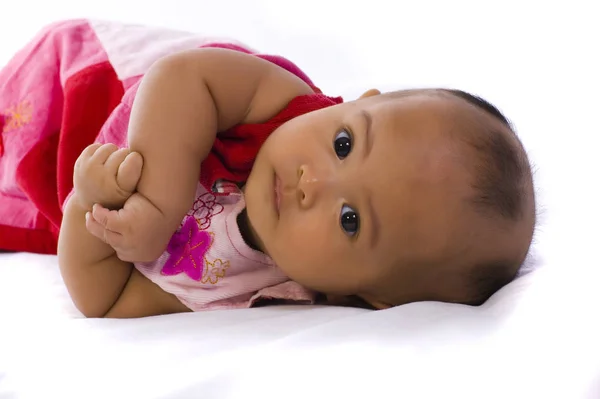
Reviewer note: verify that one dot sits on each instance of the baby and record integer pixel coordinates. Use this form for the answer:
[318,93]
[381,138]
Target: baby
[418,195]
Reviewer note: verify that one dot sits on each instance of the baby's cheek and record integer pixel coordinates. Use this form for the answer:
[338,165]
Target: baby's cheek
[311,250]
[303,246]
[310,254]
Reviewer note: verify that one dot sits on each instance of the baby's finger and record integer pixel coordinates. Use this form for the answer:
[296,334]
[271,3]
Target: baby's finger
[101,155]
[130,171]
[97,230]
[90,150]
[93,227]
[115,160]
[108,219]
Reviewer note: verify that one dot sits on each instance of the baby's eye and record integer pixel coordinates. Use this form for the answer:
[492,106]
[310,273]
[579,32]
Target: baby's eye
[342,144]
[349,220]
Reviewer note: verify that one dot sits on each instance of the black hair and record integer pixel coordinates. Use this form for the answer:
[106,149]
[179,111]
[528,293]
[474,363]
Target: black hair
[502,183]
[480,103]
[484,280]
[502,170]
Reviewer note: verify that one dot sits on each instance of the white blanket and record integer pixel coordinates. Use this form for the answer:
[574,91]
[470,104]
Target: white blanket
[537,338]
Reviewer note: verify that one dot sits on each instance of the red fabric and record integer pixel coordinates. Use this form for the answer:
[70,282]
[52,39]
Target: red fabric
[41,241]
[96,88]
[234,151]
[80,107]
[45,174]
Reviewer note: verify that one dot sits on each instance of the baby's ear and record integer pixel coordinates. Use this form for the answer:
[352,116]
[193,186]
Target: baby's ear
[370,93]
[374,302]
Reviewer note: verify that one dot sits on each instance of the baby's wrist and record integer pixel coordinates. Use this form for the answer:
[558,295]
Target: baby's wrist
[80,203]
[167,216]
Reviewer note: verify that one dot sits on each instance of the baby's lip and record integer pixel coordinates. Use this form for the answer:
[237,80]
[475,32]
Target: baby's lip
[277,193]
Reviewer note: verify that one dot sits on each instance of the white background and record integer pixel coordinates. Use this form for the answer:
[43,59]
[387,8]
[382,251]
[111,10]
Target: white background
[537,61]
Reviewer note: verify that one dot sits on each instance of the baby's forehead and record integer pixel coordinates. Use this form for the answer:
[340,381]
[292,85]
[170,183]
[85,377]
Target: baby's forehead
[422,210]
[421,203]
[440,103]
[432,229]
[435,130]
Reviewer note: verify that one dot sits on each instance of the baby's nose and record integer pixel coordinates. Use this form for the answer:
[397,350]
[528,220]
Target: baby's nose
[313,184]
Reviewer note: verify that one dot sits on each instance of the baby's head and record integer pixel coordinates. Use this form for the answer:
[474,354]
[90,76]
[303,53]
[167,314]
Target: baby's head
[398,197]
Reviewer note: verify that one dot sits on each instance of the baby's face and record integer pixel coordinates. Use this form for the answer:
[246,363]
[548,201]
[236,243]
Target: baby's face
[350,200]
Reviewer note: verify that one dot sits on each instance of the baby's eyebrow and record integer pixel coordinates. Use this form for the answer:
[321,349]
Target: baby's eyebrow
[373,219]
[368,133]
[374,224]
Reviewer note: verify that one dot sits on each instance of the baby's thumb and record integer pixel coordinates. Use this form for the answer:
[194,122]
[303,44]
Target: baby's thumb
[129,172]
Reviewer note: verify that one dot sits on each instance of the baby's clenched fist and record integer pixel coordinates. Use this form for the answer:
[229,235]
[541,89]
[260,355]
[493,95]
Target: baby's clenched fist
[106,175]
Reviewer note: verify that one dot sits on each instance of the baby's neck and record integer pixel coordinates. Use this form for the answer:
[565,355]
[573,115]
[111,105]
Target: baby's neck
[246,231]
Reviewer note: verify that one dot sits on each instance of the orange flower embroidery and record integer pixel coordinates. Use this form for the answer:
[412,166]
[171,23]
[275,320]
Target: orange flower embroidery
[17,116]
[214,271]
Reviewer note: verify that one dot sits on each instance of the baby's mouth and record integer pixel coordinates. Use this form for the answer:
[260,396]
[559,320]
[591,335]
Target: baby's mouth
[277,194]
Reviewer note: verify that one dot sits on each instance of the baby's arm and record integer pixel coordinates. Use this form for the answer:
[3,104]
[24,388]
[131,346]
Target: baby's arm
[93,274]
[181,104]
[183,101]
[93,281]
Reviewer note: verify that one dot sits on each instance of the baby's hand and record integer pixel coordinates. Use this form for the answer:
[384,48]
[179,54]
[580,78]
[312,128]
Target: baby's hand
[106,175]
[136,232]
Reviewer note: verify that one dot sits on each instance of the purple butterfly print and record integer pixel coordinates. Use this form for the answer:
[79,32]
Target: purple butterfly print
[187,249]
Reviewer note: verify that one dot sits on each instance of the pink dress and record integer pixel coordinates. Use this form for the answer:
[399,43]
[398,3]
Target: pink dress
[74,84]
[207,264]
